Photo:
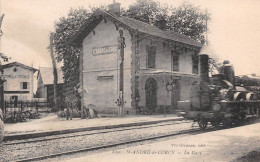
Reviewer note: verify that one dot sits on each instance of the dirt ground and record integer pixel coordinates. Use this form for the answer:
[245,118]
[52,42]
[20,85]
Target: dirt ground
[253,156]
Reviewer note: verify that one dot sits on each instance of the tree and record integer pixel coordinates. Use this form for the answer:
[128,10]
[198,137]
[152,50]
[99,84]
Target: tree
[55,75]
[189,20]
[143,10]
[4,58]
[186,19]
[2,80]
[64,29]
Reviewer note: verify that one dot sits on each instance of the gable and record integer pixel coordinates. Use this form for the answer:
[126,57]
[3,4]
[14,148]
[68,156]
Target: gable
[17,64]
[17,72]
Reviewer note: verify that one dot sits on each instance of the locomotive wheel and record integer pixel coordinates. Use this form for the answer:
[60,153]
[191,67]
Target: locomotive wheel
[227,123]
[202,123]
[215,123]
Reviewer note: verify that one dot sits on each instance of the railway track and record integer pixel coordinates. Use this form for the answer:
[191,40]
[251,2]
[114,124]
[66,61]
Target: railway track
[163,130]
[110,145]
[50,147]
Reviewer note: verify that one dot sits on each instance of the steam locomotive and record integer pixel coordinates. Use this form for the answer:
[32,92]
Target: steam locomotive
[218,100]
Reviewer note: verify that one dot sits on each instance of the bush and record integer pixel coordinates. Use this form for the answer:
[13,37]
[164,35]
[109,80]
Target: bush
[61,113]
[17,116]
[75,113]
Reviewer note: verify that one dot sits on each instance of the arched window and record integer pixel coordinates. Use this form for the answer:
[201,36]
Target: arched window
[151,94]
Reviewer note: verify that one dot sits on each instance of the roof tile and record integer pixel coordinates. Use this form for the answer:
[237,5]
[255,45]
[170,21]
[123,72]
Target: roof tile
[47,75]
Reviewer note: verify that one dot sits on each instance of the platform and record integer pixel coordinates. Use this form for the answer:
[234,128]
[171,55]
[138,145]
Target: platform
[52,125]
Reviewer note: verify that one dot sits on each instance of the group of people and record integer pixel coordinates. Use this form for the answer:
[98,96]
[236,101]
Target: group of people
[73,102]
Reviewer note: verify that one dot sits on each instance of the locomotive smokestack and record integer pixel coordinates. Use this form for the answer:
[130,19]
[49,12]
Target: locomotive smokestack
[204,67]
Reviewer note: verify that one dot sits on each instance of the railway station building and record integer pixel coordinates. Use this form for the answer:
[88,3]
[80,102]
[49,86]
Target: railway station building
[19,82]
[159,65]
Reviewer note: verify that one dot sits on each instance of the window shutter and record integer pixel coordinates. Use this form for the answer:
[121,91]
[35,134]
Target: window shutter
[195,61]
[21,85]
[151,52]
[175,61]
[28,85]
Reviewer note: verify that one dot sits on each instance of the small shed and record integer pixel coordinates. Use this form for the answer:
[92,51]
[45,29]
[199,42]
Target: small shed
[46,82]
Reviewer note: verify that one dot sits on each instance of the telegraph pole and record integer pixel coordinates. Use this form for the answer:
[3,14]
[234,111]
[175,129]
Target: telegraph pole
[55,75]
[120,100]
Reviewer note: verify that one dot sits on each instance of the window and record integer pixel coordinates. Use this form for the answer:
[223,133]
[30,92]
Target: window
[175,61]
[151,50]
[24,85]
[195,62]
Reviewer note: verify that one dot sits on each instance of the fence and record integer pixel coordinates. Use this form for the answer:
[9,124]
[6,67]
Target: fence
[27,106]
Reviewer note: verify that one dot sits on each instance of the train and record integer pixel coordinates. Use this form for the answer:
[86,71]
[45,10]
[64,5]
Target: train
[219,100]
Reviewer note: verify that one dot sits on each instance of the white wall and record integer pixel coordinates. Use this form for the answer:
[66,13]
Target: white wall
[14,80]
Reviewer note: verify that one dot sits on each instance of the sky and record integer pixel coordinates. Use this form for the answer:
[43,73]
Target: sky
[233,31]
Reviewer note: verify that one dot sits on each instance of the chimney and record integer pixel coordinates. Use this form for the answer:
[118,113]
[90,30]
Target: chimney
[204,67]
[114,8]
[161,24]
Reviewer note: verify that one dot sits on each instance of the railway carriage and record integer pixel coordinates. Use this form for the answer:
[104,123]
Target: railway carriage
[218,100]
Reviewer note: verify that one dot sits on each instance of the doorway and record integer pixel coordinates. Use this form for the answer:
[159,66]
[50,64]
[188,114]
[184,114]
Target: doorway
[14,99]
[175,95]
[151,94]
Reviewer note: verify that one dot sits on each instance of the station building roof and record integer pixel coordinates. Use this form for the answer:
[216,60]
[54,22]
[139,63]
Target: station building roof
[133,24]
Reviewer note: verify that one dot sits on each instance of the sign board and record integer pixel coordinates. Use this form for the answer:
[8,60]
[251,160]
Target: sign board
[104,50]
[16,76]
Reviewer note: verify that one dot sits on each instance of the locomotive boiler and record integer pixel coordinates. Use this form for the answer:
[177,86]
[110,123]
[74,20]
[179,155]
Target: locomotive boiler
[217,100]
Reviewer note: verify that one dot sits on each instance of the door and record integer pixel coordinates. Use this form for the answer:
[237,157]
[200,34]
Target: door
[151,94]
[175,95]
